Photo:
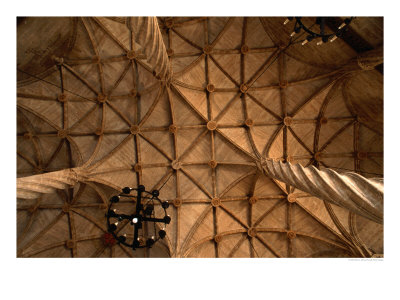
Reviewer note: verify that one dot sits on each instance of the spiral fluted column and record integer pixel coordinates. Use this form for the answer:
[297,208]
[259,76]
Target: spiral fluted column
[148,35]
[365,61]
[32,187]
[370,59]
[358,194]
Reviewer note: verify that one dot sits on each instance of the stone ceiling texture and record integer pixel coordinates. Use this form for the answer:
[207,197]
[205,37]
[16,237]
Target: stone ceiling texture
[240,91]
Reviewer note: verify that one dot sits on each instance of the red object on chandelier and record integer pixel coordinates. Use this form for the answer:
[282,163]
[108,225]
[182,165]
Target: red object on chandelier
[108,239]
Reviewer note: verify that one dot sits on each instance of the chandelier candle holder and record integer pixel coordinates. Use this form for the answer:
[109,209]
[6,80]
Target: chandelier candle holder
[322,36]
[149,211]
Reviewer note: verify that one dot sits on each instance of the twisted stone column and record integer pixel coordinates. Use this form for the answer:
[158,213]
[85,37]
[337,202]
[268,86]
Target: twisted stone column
[147,34]
[32,187]
[350,190]
[365,61]
[370,59]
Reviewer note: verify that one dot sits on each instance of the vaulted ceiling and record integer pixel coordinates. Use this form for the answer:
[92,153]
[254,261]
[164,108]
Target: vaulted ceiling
[241,90]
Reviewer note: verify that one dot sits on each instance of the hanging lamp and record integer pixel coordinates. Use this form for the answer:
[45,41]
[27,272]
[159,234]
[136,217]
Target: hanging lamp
[148,220]
[322,34]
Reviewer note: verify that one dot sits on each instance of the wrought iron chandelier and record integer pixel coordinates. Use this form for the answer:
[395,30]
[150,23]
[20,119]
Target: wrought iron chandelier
[149,209]
[323,36]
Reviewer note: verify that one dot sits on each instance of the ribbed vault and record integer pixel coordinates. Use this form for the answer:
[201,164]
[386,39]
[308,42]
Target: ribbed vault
[88,96]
